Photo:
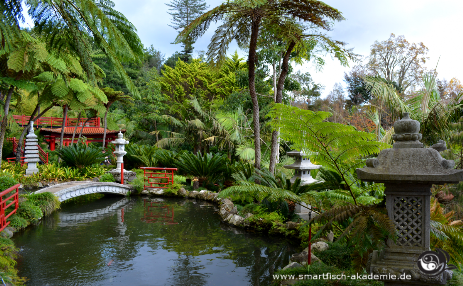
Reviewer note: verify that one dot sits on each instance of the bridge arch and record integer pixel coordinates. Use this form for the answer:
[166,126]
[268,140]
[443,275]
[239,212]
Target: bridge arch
[69,190]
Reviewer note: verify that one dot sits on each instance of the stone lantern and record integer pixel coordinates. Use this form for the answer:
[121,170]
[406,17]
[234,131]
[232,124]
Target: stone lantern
[31,152]
[120,143]
[408,171]
[302,167]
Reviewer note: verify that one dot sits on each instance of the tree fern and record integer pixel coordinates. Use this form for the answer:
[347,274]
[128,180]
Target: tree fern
[338,147]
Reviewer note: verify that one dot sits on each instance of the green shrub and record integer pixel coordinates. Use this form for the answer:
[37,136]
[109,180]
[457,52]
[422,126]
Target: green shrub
[81,155]
[173,189]
[208,167]
[107,178]
[29,211]
[339,255]
[17,222]
[47,202]
[7,181]
[140,155]
[138,182]
[8,253]
[166,158]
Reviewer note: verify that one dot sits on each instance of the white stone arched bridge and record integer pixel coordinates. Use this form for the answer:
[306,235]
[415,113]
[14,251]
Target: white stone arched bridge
[65,191]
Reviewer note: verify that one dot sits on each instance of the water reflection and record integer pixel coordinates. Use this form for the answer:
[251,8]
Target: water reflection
[156,211]
[163,242]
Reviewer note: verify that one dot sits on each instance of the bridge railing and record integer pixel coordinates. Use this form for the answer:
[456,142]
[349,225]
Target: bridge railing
[6,202]
[42,154]
[23,120]
[158,178]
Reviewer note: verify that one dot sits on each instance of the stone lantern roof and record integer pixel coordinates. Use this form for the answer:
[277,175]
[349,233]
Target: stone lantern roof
[408,161]
[302,167]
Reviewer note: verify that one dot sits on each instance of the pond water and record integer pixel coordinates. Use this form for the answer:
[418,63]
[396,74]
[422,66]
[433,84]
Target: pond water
[146,241]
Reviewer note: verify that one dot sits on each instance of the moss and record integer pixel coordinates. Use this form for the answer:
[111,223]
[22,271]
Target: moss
[47,202]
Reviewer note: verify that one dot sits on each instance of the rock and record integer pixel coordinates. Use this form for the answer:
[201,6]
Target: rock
[223,213]
[237,220]
[302,257]
[330,236]
[21,187]
[228,205]
[129,176]
[234,210]
[210,196]
[7,233]
[159,192]
[39,185]
[144,192]
[183,192]
[292,265]
[193,194]
[96,179]
[248,215]
[320,246]
[291,225]
[229,217]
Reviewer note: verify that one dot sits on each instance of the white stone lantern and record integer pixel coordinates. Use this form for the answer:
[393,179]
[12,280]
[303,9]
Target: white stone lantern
[302,167]
[31,152]
[120,143]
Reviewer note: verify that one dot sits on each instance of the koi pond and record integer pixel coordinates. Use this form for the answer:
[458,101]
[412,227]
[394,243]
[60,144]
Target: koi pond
[146,241]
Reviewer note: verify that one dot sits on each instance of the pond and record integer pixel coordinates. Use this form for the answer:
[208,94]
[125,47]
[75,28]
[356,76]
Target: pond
[146,241]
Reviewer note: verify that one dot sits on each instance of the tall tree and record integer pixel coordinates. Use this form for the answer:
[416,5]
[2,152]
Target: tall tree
[183,13]
[357,90]
[243,20]
[399,61]
[76,25]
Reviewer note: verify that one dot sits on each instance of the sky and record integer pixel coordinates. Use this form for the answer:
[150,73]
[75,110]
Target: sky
[438,26]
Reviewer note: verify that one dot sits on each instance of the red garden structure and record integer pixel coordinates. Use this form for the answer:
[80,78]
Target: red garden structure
[8,198]
[154,175]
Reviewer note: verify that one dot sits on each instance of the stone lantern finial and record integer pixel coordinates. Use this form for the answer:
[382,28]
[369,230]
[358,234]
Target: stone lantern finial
[408,172]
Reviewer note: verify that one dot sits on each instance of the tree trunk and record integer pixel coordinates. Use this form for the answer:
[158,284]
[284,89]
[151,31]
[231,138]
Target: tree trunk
[82,130]
[63,125]
[75,129]
[279,99]
[32,119]
[6,108]
[252,88]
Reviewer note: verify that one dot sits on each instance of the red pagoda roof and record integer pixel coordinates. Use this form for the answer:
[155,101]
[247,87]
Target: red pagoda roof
[86,131]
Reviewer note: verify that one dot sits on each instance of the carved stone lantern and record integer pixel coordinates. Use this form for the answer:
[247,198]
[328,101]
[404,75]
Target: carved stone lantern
[120,143]
[408,172]
[302,167]
[31,152]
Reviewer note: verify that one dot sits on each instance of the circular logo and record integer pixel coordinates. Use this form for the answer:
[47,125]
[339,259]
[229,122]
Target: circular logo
[433,262]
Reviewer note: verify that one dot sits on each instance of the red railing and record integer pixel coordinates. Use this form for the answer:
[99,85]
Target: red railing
[42,154]
[23,120]
[6,203]
[154,175]
[13,160]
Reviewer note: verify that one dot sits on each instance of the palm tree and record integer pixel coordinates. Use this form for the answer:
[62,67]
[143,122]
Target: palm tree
[243,19]
[433,113]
